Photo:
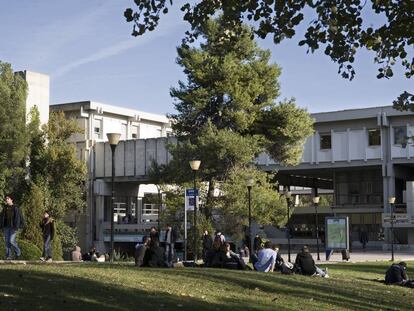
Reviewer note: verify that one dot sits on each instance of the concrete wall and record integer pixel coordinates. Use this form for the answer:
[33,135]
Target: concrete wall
[38,94]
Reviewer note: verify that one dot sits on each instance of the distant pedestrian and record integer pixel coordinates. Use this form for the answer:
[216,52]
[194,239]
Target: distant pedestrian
[11,220]
[207,244]
[363,237]
[169,239]
[48,232]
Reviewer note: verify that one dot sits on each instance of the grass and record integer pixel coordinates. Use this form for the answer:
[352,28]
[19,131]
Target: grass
[124,287]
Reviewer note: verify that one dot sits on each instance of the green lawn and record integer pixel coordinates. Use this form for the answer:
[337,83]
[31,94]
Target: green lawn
[123,287]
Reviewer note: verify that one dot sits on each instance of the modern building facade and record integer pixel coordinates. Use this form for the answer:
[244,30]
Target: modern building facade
[364,156]
[132,195]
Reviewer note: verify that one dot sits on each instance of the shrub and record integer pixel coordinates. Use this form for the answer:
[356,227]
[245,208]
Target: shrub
[29,250]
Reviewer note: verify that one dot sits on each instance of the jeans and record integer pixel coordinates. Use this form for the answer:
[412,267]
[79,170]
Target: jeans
[169,254]
[10,237]
[47,247]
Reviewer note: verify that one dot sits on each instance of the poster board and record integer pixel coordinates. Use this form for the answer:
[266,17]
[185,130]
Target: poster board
[337,232]
[189,199]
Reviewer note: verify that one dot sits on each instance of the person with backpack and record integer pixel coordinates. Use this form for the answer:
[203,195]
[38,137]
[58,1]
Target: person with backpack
[48,232]
[11,220]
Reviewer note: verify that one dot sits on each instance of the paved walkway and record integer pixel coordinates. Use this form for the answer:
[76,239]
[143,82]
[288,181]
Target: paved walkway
[359,256]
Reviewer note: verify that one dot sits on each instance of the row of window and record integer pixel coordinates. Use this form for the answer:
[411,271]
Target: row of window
[374,137]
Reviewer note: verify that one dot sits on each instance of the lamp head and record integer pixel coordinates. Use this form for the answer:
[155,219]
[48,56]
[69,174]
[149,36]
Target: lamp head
[195,164]
[391,200]
[249,182]
[316,200]
[113,138]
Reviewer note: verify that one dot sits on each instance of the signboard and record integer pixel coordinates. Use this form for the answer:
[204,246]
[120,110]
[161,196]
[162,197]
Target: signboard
[337,232]
[189,199]
[400,220]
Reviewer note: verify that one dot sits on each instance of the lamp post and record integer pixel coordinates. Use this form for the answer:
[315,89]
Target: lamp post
[288,196]
[391,201]
[195,165]
[113,139]
[316,203]
[249,184]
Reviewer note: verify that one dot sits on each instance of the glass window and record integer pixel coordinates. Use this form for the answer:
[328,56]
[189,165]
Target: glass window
[400,135]
[134,131]
[97,129]
[325,141]
[374,137]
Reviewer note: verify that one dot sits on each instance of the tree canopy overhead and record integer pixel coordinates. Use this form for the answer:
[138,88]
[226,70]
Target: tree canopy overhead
[340,27]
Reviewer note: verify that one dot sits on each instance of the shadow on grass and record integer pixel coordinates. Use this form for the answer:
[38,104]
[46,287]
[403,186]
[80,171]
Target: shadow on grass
[340,293]
[37,290]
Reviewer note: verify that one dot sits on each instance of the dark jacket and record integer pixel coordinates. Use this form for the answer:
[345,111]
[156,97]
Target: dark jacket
[17,221]
[173,236]
[214,259]
[305,264]
[207,242]
[48,228]
[154,257]
[395,275]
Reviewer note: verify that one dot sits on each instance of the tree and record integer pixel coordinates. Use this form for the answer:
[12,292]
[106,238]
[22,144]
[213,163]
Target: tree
[267,206]
[340,27]
[13,135]
[230,88]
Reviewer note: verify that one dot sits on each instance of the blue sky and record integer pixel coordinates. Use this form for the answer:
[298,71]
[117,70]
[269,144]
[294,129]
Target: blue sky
[87,49]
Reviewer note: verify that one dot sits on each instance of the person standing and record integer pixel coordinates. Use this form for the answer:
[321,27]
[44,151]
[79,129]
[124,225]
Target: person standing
[363,237]
[170,238]
[257,243]
[11,220]
[154,234]
[48,231]
[207,244]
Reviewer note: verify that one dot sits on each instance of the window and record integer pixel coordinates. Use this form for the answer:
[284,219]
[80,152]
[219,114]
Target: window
[400,135]
[374,137]
[97,129]
[325,141]
[134,131]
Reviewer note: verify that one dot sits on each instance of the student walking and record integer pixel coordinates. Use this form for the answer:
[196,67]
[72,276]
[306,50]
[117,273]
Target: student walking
[48,230]
[11,220]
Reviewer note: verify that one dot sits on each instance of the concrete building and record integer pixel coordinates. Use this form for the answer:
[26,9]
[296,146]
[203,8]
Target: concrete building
[134,207]
[38,93]
[365,156]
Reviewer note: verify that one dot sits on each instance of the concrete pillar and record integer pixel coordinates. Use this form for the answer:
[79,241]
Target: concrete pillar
[409,194]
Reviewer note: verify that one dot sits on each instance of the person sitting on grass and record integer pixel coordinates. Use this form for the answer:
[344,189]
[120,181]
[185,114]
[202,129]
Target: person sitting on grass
[214,258]
[305,264]
[230,259]
[140,251]
[396,275]
[266,259]
[154,255]
[77,254]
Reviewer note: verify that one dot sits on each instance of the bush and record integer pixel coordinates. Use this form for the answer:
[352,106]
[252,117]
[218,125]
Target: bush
[29,250]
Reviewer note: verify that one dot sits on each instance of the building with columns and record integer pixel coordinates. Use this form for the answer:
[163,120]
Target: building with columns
[134,203]
[364,156]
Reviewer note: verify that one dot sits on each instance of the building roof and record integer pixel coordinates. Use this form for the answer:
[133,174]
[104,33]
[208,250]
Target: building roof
[362,113]
[101,108]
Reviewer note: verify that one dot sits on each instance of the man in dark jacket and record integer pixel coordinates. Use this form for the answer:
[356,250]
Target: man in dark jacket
[305,264]
[140,251]
[48,231]
[169,239]
[10,221]
[396,275]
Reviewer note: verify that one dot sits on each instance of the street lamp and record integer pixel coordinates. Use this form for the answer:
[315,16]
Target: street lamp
[391,201]
[195,165]
[316,203]
[249,184]
[113,139]
[288,196]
